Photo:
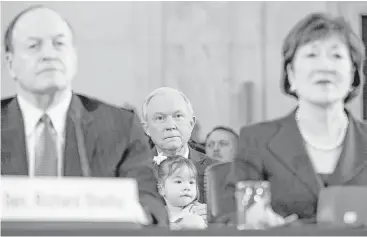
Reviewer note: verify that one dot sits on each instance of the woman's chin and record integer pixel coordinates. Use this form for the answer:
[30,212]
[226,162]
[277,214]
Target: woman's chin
[325,102]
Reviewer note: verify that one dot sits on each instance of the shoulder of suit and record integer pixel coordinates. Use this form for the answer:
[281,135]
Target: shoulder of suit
[265,126]
[364,123]
[360,124]
[202,155]
[264,130]
[203,158]
[6,101]
[92,104]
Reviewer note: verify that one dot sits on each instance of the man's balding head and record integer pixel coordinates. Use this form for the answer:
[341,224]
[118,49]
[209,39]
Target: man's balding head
[8,37]
[166,91]
[40,51]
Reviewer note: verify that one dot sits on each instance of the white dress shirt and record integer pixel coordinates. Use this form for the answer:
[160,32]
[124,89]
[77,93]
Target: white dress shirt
[31,117]
[186,155]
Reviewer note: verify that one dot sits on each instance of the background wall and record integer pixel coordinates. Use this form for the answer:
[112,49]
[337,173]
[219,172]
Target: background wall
[225,56]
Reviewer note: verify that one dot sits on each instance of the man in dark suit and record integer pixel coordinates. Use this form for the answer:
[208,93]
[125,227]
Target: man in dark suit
[47,130]
[168,119]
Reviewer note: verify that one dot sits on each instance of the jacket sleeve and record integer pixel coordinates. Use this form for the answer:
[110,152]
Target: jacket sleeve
[137,163]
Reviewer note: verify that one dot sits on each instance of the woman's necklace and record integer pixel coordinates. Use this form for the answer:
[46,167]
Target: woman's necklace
[328,147]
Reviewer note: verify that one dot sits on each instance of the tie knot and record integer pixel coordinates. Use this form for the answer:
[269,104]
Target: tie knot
[46,120]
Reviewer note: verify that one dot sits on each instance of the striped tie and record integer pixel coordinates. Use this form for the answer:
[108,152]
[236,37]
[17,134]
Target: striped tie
[46,151]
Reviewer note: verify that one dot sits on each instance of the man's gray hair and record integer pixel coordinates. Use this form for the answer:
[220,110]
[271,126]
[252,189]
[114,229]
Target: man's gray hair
[161,91]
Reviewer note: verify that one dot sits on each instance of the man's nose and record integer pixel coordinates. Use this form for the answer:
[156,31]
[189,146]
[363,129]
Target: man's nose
[170,123]
[49,52]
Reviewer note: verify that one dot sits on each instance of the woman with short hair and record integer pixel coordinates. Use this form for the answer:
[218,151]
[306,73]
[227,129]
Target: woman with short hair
[320,143]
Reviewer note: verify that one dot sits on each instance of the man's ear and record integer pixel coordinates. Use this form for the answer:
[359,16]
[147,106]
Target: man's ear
[193,121]
[9,63]
[145,127]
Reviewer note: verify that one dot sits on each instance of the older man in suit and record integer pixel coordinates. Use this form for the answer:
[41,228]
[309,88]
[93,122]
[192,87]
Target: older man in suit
[168,118]
[47,130]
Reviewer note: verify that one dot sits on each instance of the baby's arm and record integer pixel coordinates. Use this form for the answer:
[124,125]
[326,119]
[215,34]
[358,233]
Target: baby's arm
[199,209]
[190,221]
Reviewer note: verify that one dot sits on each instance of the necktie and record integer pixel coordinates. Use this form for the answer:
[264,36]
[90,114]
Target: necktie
[46,151]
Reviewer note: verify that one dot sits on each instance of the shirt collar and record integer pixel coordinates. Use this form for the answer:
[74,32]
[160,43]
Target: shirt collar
[57,114]
[186,155]
[31,114]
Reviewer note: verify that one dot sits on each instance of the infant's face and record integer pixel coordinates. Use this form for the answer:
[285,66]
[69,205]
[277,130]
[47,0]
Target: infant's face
[180,189]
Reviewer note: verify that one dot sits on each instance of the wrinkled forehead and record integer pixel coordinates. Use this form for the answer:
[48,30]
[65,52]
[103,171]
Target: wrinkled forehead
[220,135]
[167,103]
[41,23]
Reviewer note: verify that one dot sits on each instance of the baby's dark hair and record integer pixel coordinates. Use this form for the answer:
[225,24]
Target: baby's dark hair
[170,165]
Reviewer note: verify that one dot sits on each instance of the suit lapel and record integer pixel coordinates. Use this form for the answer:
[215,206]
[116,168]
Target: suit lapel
[72,165]
[154,151]
[199,160]
[354,154]
[14,159]
[194,155]
[196,159]
[78,115]
[287,146]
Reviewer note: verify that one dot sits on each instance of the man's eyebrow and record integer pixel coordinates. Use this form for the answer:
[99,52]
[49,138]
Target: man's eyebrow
[158,113]
[33,38]
[177,111]
[59,35]
[38,38]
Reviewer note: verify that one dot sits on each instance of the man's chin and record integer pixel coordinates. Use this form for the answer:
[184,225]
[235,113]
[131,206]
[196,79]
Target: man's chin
[51,89]
[173,145]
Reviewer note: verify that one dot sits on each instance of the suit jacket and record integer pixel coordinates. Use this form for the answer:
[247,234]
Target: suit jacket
[201,162]
[101,141]
[275,151]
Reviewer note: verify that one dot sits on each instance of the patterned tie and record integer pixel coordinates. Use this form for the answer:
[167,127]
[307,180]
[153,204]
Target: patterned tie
[46,151]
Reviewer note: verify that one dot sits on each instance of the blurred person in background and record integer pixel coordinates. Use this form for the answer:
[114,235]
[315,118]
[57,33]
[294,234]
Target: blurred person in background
[221,144]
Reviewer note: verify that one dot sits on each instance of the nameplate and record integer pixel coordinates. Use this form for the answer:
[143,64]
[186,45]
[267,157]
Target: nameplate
[69,199]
